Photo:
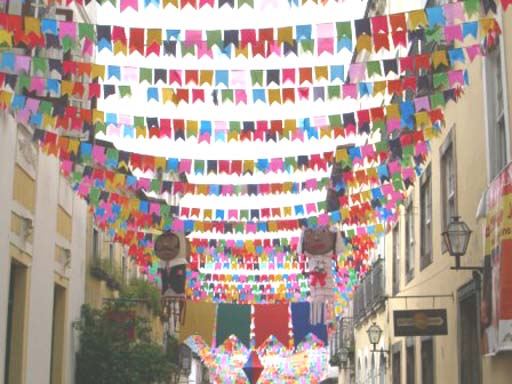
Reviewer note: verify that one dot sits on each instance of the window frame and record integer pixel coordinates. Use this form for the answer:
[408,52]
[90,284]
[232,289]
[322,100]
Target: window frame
[396,259]
[410,366]
[409,241]
[426,251]
[425,341]
[447,151]
[496,110]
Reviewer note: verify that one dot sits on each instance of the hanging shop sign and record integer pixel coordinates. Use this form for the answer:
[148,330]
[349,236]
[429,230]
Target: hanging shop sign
[420,322]
[496,304]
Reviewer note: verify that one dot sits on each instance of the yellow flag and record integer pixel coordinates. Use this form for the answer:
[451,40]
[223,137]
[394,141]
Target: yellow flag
[417,18]
[321,73]
[168,95]
[172,2]
[5,38]
[364,42]
[49,121]
[393,110]
[119,47]
[438,58]
[160,162]
[285,35]
[205,76]
[249,166]
[32,25]
[97,116]
[341,154]
[154,36]
[274,95]
[242,52]
[140,132]
[423,120]
[66,87]
[379,87]
[98,71]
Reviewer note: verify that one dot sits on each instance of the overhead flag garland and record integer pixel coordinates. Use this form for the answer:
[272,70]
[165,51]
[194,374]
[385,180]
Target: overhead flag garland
[246,272]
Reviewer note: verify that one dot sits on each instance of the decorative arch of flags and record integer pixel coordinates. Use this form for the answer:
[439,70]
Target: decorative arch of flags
[253,273]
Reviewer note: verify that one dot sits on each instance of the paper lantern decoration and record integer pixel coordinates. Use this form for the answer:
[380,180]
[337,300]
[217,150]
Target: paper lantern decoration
[173,251]
[321,246]
[253,368]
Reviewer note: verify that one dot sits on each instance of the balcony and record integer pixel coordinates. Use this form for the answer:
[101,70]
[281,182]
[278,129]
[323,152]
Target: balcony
[343,337]
[371,293]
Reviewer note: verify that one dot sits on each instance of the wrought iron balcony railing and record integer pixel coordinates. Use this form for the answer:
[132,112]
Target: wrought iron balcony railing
[370,293]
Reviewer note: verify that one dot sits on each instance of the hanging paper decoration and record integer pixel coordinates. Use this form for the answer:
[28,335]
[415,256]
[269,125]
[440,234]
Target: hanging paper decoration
[200,321]
[302,326]
[271,319]
[173,251]
[234,320]
[321,246]
[253,368]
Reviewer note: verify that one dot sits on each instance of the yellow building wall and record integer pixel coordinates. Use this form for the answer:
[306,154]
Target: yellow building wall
[24,189]
[467,118]
[64,224]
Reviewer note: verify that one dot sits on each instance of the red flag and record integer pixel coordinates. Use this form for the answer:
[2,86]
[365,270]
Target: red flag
[271,319]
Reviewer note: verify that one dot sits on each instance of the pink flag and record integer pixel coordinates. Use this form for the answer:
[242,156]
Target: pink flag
[124,4]
[326,45]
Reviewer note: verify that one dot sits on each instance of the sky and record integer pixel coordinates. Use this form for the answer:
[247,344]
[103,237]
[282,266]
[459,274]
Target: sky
[265,14]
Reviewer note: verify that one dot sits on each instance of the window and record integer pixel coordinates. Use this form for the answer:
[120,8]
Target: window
[358,372]
[124,268]
[382,369]
[411,362]
[372,370]
[396,369]
[448,181]
[95,244]
[15,342]
[427,361]
[57,356]
[111,253]
[409,241]
[495,107]
[426,219]
[396,259]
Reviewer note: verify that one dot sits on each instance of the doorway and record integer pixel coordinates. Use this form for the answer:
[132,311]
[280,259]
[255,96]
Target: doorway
[469,334]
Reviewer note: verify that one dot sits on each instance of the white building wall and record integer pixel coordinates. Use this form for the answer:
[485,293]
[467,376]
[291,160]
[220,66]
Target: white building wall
[7,155]
[42,272]
[51,192]
[76,295]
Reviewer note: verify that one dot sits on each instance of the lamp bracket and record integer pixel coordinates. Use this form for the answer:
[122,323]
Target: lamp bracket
[420,296]
[375,350]
[469,268]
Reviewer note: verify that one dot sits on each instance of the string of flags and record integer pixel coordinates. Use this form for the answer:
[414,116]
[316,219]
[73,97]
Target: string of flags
[328,37]
[365,214]
[123,5]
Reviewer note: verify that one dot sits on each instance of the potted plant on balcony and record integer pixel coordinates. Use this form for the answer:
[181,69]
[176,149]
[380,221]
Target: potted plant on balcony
[98,269]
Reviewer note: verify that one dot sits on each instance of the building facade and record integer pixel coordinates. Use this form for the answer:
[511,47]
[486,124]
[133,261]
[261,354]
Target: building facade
[43,227]
[472,151]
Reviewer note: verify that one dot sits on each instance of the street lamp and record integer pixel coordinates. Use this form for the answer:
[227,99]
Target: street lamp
[185,359]
[456,239]
[374,334]
[343,353]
